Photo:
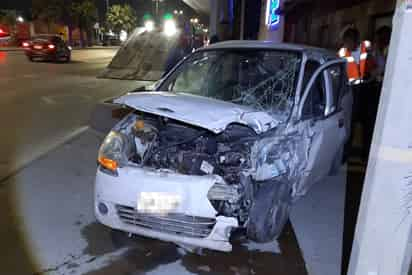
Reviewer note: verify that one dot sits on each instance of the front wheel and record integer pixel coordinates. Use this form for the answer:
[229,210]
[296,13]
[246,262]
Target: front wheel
[269,212]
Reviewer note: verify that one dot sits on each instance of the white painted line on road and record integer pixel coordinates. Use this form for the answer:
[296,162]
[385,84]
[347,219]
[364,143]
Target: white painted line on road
[63,98]
[30,76]
[21,164]
[48,100]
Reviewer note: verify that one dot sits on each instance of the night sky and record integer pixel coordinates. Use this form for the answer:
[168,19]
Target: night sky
[141,6]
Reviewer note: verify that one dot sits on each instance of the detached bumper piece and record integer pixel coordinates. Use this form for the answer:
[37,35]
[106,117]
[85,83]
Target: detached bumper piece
[177,224]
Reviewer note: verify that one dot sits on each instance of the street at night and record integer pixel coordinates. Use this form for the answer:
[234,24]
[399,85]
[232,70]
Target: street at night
[47,188]
[45,103]
[211,137]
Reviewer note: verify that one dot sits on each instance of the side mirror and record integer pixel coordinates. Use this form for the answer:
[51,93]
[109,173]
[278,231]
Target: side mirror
[140,89]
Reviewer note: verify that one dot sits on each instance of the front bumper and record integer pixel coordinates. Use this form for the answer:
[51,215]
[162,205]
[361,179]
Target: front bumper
[40,53]
[193,223]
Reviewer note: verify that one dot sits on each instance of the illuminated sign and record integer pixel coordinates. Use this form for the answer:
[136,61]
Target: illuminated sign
[272,13]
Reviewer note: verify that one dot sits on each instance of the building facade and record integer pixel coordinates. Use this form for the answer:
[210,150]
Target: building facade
[321,23]
[312,22]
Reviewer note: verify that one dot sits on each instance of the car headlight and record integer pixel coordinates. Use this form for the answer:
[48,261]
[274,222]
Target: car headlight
[169,27]
[114,151]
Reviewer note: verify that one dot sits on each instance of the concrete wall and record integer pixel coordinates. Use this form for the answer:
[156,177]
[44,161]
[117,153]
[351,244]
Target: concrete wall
[221,19]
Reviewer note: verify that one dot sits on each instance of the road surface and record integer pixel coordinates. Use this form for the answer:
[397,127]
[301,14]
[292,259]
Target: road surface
[43,103]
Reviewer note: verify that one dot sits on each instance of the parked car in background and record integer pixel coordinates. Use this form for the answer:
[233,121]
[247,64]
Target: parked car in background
[47,47]
[110,39]
[229,139]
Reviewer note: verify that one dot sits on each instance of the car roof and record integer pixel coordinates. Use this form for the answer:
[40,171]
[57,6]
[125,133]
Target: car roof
[317,53]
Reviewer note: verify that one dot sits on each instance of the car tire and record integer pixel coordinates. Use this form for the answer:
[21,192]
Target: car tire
[120,238]
[30,59]
[269,212]
[67,58]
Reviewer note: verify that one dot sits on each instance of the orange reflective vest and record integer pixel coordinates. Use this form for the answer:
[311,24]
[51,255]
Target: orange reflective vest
[358,72]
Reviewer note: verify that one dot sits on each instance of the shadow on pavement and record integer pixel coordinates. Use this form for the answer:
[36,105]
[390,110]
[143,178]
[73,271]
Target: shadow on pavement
[147,255]
[15,256]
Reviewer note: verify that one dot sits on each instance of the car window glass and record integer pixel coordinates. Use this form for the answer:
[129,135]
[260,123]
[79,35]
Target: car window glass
[315,103]
[336,75]
[192,77]
[264,80]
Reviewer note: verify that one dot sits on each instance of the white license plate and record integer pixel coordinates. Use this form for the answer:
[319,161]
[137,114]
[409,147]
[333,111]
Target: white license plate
[37,47]
[157,202]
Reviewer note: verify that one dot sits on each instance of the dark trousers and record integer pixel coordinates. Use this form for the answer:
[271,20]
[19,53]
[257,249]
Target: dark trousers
[364,111]
[369,118]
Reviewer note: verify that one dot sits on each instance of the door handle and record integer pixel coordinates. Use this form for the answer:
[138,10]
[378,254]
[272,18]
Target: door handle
[341,123]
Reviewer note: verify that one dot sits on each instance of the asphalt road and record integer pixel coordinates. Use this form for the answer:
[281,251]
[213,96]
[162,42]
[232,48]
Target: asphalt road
[43,104]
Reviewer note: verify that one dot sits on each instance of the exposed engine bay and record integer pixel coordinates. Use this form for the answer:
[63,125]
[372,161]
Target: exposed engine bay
[234,154]
[163,143]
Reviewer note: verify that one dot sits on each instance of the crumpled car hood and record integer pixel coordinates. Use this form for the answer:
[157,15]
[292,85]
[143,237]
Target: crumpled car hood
[211,114]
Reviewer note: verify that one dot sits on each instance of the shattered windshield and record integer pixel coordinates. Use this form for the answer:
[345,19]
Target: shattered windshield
[262,79]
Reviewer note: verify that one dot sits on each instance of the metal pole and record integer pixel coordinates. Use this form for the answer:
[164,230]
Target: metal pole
[242,20]
[107,5]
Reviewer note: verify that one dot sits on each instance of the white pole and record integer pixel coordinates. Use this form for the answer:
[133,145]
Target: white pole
[382,244]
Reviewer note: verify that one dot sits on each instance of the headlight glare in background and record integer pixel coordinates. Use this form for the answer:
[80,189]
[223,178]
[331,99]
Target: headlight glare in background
[170,28]
[149,25]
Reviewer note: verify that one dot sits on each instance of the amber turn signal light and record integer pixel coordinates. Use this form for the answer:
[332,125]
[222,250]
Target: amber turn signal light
[139,124]
[108,163]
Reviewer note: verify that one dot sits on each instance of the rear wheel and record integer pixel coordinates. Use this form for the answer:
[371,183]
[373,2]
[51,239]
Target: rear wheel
[67,58]
[30,58]
[269,212]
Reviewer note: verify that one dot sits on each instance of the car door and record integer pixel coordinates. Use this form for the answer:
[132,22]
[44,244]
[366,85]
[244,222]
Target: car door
[346,100]
[320,109]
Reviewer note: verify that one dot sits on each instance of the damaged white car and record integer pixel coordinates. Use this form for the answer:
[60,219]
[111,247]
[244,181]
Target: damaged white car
[229,139]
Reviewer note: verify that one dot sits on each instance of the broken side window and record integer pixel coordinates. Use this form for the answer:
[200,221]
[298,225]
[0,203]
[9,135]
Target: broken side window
[336,74]
[315,103]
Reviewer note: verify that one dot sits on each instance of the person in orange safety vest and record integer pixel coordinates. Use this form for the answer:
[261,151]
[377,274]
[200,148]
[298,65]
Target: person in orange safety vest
[360,68]
[360,63]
